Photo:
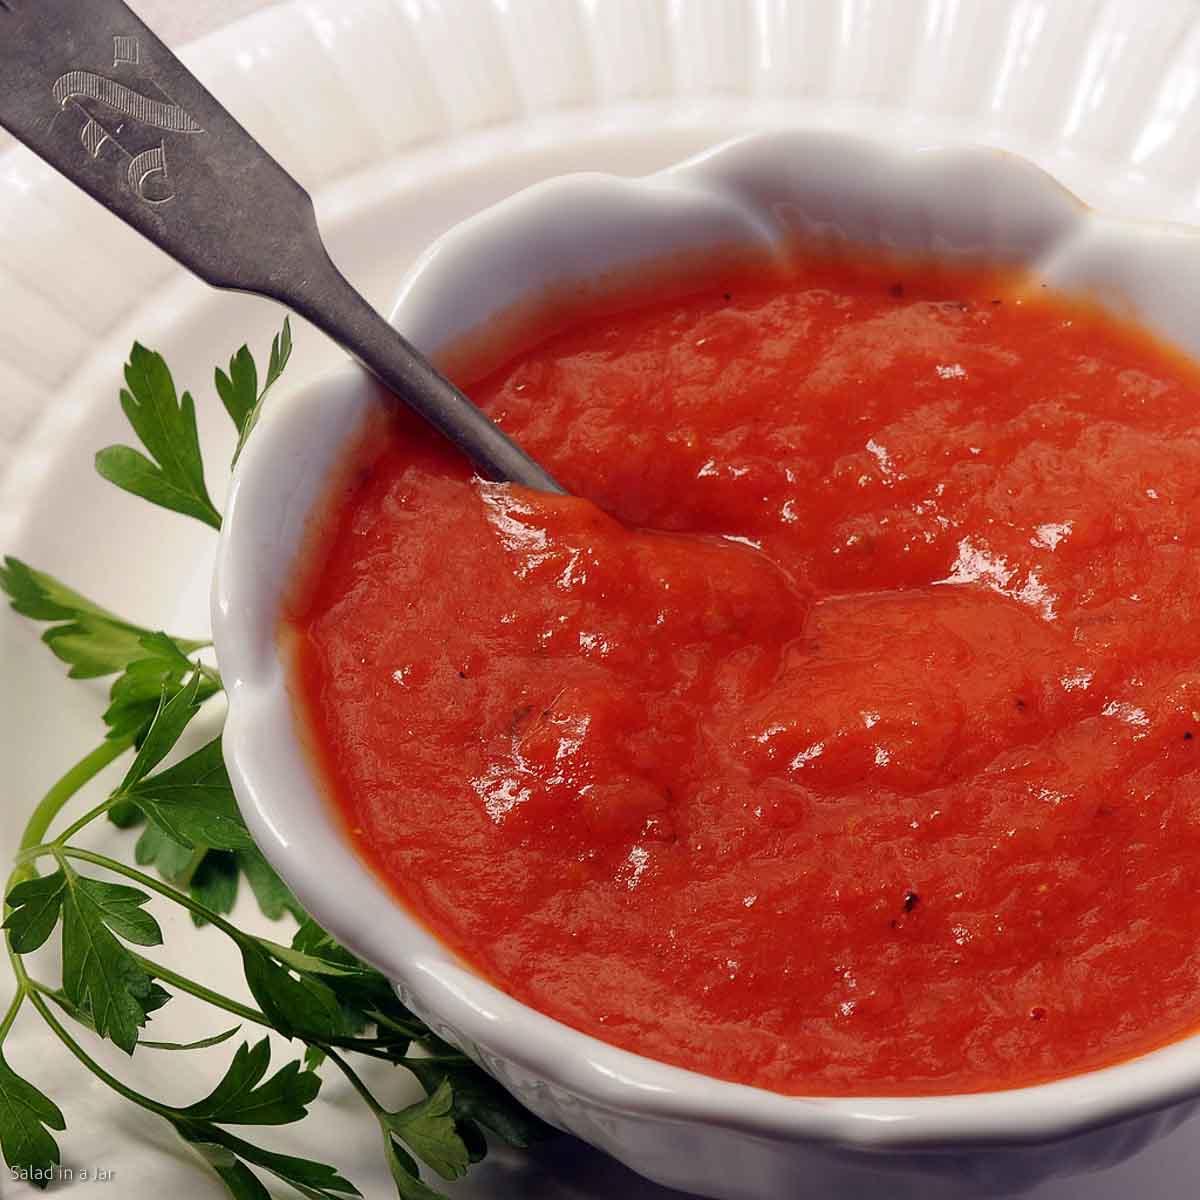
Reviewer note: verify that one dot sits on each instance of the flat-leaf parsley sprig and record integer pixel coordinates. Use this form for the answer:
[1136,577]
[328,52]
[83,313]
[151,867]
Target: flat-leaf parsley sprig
[311,990]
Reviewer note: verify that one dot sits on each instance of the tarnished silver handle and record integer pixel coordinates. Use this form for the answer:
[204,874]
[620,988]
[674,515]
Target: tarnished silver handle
[88,87]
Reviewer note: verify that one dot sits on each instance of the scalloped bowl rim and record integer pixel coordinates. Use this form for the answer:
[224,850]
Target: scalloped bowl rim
[1070,244]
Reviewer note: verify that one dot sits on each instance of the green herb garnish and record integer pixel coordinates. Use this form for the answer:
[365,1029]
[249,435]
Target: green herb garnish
[312,990]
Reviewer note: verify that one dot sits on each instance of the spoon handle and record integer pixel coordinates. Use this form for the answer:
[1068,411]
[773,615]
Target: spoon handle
[90,89]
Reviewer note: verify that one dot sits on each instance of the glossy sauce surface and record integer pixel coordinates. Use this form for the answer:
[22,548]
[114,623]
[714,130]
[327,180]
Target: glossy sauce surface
[845,738]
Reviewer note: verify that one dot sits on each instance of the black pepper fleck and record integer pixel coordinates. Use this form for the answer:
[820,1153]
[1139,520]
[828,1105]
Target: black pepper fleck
[897,290]
[1037,1013]
[911,900]
[1187,737]
[728,295]
[1020,704]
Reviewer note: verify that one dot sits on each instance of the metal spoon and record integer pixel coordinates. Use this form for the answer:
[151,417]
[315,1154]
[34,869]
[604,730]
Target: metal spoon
[88,87]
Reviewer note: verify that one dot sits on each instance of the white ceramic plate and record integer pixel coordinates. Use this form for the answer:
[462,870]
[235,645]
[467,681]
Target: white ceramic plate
[404,118]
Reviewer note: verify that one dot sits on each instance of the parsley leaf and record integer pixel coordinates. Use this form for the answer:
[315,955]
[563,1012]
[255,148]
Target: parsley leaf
[118,906]
[201,1044]
[44,598]
[363,995]
[155,847]
[295,1005]
[158,720]
[100,976]
[162,666]
[281,351]
[429,1130]
[212,876]
[241,1098]
[91,639]
[173,476]
[154,999]
[96,642]
[192,802]
[36,905]
[93,647]
[478,1097]
[226,1153]
[172,717]
[319,944]
[25,1115]
[406,1173]
[214,883]
[195,835]
[239,388]
[314,963]
[273,895]
[239,1180]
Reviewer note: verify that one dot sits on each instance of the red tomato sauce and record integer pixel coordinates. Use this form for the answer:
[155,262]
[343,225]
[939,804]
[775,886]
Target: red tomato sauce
[843,737]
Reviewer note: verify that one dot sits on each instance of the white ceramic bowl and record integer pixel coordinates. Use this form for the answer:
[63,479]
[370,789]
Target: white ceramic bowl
[678,1127]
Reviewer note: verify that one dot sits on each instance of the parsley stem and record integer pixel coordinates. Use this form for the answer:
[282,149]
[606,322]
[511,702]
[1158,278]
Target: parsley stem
[355,1082]
[52,802]
[184,984]
[11,1015]
[87,818]
[367,1047]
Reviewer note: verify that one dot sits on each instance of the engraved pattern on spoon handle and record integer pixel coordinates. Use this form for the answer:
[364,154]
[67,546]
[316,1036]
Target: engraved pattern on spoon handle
[89,88]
